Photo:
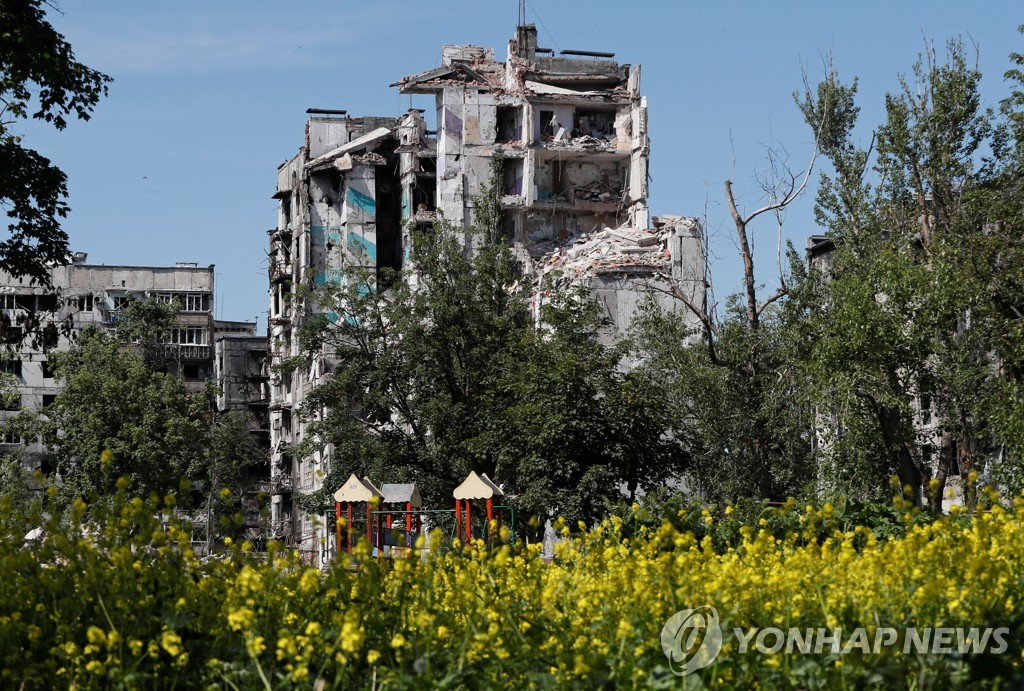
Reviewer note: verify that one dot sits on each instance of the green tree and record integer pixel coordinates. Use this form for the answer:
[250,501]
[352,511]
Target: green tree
[738,396]
[119,414]
[39,78]
[915,359]
[432,380]
[115,417]
[570,427]
[147,322]
[740,406]
[228,469]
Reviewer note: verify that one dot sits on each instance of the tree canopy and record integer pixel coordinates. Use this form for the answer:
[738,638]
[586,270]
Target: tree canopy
[430,382]
[40,79]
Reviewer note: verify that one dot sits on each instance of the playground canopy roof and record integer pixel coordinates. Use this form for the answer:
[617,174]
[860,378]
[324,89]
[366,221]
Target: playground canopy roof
[357,491]
[477,487]
[401,494]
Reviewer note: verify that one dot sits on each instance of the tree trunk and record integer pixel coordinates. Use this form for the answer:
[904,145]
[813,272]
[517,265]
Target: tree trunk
[946,457]
[966,466]
[893,426]
[749,286]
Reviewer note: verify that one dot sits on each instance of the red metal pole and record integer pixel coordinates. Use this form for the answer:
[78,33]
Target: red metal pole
[380,535]
[490,517]
[369,524]
[408,528]
[458,517]
[337,527]
[348,530]
[469,525]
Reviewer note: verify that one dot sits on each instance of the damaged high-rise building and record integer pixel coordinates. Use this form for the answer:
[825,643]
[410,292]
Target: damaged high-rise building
[565,139]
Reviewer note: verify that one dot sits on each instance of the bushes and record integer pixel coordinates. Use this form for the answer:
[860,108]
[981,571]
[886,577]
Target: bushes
[116,598]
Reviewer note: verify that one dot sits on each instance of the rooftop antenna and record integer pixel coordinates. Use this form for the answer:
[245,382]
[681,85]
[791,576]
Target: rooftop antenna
[522,12]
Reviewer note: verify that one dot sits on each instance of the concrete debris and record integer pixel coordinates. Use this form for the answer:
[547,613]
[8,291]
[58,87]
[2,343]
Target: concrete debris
[582,143]
[613,250]
[354,145]
[370,159]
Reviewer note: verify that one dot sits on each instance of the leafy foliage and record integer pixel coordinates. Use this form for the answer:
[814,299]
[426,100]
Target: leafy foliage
[114,416]
[117,417]
[39,78]
[913,347]
[432,381]
[741,411]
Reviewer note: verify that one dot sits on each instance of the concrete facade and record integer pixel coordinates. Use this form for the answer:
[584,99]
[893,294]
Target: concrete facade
[94,295]
[241,366]
[241,371]
[565,139]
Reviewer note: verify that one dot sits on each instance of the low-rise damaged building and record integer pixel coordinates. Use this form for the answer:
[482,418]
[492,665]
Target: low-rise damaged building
[564,139]
[94,295]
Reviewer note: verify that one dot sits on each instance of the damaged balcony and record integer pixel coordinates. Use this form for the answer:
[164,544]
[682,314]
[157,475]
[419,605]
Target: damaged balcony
[583,131]
[582,74]
[281,484]
[581,185]
[423,191]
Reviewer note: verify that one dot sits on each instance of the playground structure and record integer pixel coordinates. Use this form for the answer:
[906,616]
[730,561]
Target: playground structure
[359,493]
[397,496]
[360,501]
[475,487]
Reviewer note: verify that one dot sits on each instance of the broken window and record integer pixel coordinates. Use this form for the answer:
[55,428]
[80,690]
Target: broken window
[507,225]
[10,400]
[510,124]
[196,302]
[47,338]
[599,124]
[46,303]
[12,438]
[121,302]
[512,176]
[189,335]
[424,187]
[547,120]
[85,303]
[192,371]
[551,180]
[7,301]
[423,195]
[286,210]
[48,399]
[47,370]
[11,367]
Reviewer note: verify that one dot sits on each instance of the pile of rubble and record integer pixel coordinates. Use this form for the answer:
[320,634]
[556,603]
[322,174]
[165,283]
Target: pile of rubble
[612,250]
[583,142]
[370,158]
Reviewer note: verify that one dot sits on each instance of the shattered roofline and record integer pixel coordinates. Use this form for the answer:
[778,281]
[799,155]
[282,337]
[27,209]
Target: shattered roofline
[476,67]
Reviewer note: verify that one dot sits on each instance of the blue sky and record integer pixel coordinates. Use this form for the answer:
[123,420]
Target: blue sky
[179,162]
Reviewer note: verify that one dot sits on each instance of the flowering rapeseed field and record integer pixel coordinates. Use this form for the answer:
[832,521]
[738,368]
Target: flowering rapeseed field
[115,598]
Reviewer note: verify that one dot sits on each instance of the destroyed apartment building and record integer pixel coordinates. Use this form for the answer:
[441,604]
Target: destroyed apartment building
[566,138]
